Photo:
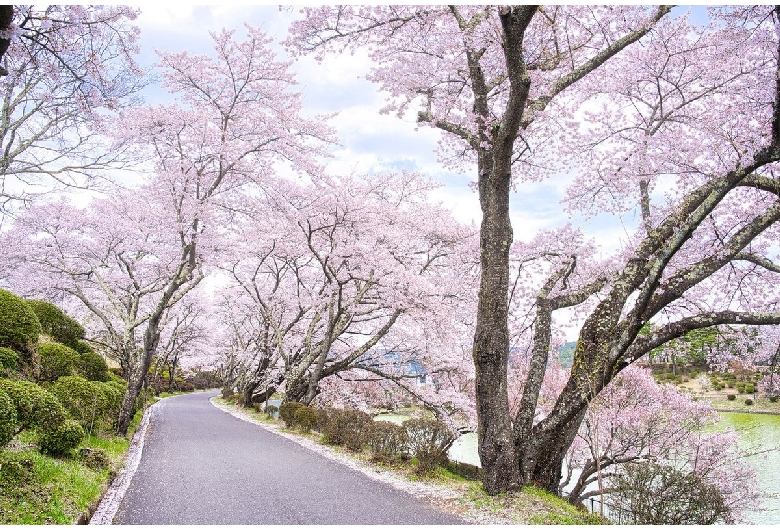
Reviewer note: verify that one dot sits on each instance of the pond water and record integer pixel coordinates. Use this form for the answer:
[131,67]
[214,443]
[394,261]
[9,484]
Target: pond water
[760,433]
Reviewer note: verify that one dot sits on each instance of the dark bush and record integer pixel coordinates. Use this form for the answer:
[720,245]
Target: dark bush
[227,393]
[56,324]
[306,418]
[8,423]
[287,412]
[429,441]
[9,361]
[57,360]
[323,418]
[732,397]
[19,327]
[60,440]
[272,411]
[92,366]
[343,427]
[97,459]
[647,493]
[93,404]
[748,401]
[388,442]
[36,408]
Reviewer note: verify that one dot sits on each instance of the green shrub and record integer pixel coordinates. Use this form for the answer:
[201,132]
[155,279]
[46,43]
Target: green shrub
[36,408]
[287,412]
[773,399]
[306,418]
[57,360]
[56,324]
[749,389]
[343,428]
[429,441]
[388,442]
[8,422]
[748,401]
[732,397]
[19,327]
[271,411]
[92,366]
[9,361]
[93,404]
[96,459]
[61,439]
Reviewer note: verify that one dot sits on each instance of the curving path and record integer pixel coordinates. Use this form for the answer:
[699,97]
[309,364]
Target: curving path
[201,465]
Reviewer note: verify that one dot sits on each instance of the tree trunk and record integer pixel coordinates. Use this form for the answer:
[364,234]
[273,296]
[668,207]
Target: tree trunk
[135,382]
[496,444]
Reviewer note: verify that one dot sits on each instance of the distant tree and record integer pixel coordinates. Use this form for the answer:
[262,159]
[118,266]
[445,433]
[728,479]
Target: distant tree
[348,267]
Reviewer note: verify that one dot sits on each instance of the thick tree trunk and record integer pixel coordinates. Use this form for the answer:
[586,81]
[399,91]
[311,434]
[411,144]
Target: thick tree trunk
[496,444]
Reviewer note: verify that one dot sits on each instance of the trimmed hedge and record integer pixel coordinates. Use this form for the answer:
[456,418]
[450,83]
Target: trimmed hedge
[36,408]
[343,426]
[92,365]
[56,324]
[287,412]
[7,419]
[306,418]
[61,439]
[57,360]
[93,404]
[429,441]
[19,327]
[9,361]
[387,441]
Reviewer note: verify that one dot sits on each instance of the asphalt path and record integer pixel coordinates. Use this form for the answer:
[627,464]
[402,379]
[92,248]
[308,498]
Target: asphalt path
[201,465]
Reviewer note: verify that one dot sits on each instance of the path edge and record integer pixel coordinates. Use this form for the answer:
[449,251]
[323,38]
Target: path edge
[109,504]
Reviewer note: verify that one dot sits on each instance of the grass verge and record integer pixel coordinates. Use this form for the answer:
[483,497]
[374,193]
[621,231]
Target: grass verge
[39,489]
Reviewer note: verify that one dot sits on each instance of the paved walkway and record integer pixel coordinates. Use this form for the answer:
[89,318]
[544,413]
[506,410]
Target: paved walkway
[201,465]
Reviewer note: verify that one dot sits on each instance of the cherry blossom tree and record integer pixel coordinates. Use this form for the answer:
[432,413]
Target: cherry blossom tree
[66,69]
[345,271]
[527,92]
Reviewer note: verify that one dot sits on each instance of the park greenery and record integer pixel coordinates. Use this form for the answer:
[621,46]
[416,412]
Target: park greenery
[217,249]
